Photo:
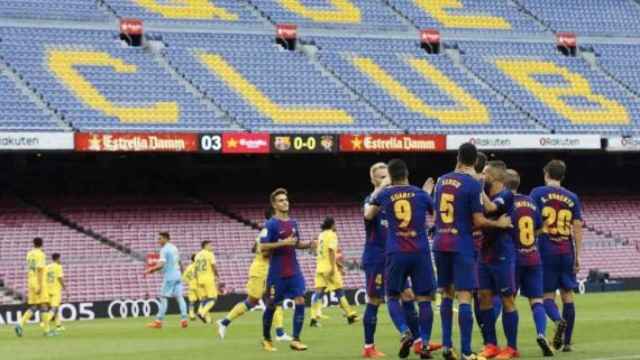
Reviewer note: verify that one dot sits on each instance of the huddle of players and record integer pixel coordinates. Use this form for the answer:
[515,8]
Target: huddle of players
[45,284]
[527,243]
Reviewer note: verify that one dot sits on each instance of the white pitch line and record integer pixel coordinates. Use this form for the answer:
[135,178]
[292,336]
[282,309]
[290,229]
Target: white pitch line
[627,357]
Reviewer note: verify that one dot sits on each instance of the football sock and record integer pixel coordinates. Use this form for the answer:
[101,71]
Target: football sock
[278,320]
[163,309]
[411,317]
[569,315]
[344,304]
[26,317]
[476,310]
[238,310]
[510,325]
[298,320]
[206,308]
[446,314]
[397,315]
[369,322]
[192,310]
[497,305]
[539,318]
[316,304]
[426,321]
[46,316]
[488,326]
[551,309]
[267,319]
[182,305]
[465,321]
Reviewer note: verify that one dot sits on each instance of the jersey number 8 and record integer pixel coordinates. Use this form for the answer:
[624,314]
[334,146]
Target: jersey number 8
[527,231]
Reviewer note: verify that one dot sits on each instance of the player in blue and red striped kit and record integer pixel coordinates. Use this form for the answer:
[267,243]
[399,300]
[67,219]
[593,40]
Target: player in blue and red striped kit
[527,225]
[458,211]
[496,272]
[284,280]
[560,247]
[407,251]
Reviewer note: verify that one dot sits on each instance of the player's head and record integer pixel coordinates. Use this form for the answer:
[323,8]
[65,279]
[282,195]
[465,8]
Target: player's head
[193,257]
[467,155]
[398,171]
[268,213]
[481,162]
[37,242]
[555,170]
[55,257]
[328,224]
[206,245]
[280,201]
[378,172]
[495,171]
[512,181]
[164,237]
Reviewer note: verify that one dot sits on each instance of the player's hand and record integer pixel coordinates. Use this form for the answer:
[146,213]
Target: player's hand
[290,241]
[504,222]
[429,185]
[576,266]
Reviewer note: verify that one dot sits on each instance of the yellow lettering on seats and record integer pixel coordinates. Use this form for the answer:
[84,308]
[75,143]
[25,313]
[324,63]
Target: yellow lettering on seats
[524,71]
[438,9]
[188,9]
[345,11]
[62,63]
[280,114]
[468,111]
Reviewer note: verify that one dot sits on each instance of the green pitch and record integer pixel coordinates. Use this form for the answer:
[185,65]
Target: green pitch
[608,328]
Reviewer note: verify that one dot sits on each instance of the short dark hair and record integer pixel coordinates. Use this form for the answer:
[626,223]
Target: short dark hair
[276,192]
[556,170]
[481,162]
[513,180]
[55,256]
[398,170]
[165,235]
[327,223]
[204,243]
[467,154]
[193,257]
[268,213]
[501,168]
[37,242]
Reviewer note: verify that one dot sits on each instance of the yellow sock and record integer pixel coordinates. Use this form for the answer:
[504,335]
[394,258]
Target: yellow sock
[192,312]
[58,319]
[45,320]
[237,311]
[316,309]
[344,305]
[278,318]
[26,317]
[204,310]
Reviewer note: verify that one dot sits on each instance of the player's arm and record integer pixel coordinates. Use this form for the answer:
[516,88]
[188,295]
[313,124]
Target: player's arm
[40,276]
[62,284]
[489,206]
[577,235]
[158,265]
[481,222]
[332,261]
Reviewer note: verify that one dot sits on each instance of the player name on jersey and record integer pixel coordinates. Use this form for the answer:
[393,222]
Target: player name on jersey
[392,143]
[161,142]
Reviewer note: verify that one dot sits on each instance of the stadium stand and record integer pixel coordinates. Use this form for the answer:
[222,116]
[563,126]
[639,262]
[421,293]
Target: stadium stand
[565,94]
[83,10]
[94,82]
[494,16]
[588,17]
[21,113]
[619,62]
[266,87]
[365,15]
[599,212]
[419,92]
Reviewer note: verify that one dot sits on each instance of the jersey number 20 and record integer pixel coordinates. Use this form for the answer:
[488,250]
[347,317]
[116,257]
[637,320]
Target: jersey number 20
[557,222]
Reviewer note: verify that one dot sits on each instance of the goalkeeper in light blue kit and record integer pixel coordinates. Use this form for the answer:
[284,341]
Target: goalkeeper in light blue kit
[169,263]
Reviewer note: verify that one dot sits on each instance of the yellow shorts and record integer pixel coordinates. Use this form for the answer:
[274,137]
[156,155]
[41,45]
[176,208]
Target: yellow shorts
[256,286]
[37,299]
[329,283]
[55,300]
[192,294]
[207,291]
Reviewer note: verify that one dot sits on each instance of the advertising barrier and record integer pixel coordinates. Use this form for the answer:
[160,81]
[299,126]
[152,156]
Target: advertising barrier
[25,141]
[527,142]
[392,143]
[136,142]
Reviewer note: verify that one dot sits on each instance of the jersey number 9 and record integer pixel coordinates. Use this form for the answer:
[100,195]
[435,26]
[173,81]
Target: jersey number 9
[557,222]
[402,209]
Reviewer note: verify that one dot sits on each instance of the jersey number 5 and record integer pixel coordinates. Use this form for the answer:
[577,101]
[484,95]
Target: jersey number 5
[557,222]
[446,208]
[402,210]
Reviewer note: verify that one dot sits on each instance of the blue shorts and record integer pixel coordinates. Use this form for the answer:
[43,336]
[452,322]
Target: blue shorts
[558,273]
[171,288]
[456,269]
[375,279]
[499,277]
[414,266]
[285,288]
[529,281]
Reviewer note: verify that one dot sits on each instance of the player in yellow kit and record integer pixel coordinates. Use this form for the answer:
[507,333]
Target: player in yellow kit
[55,286]
[37,295]
[256,286]
[189,278]
[206,277]
[328,273]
